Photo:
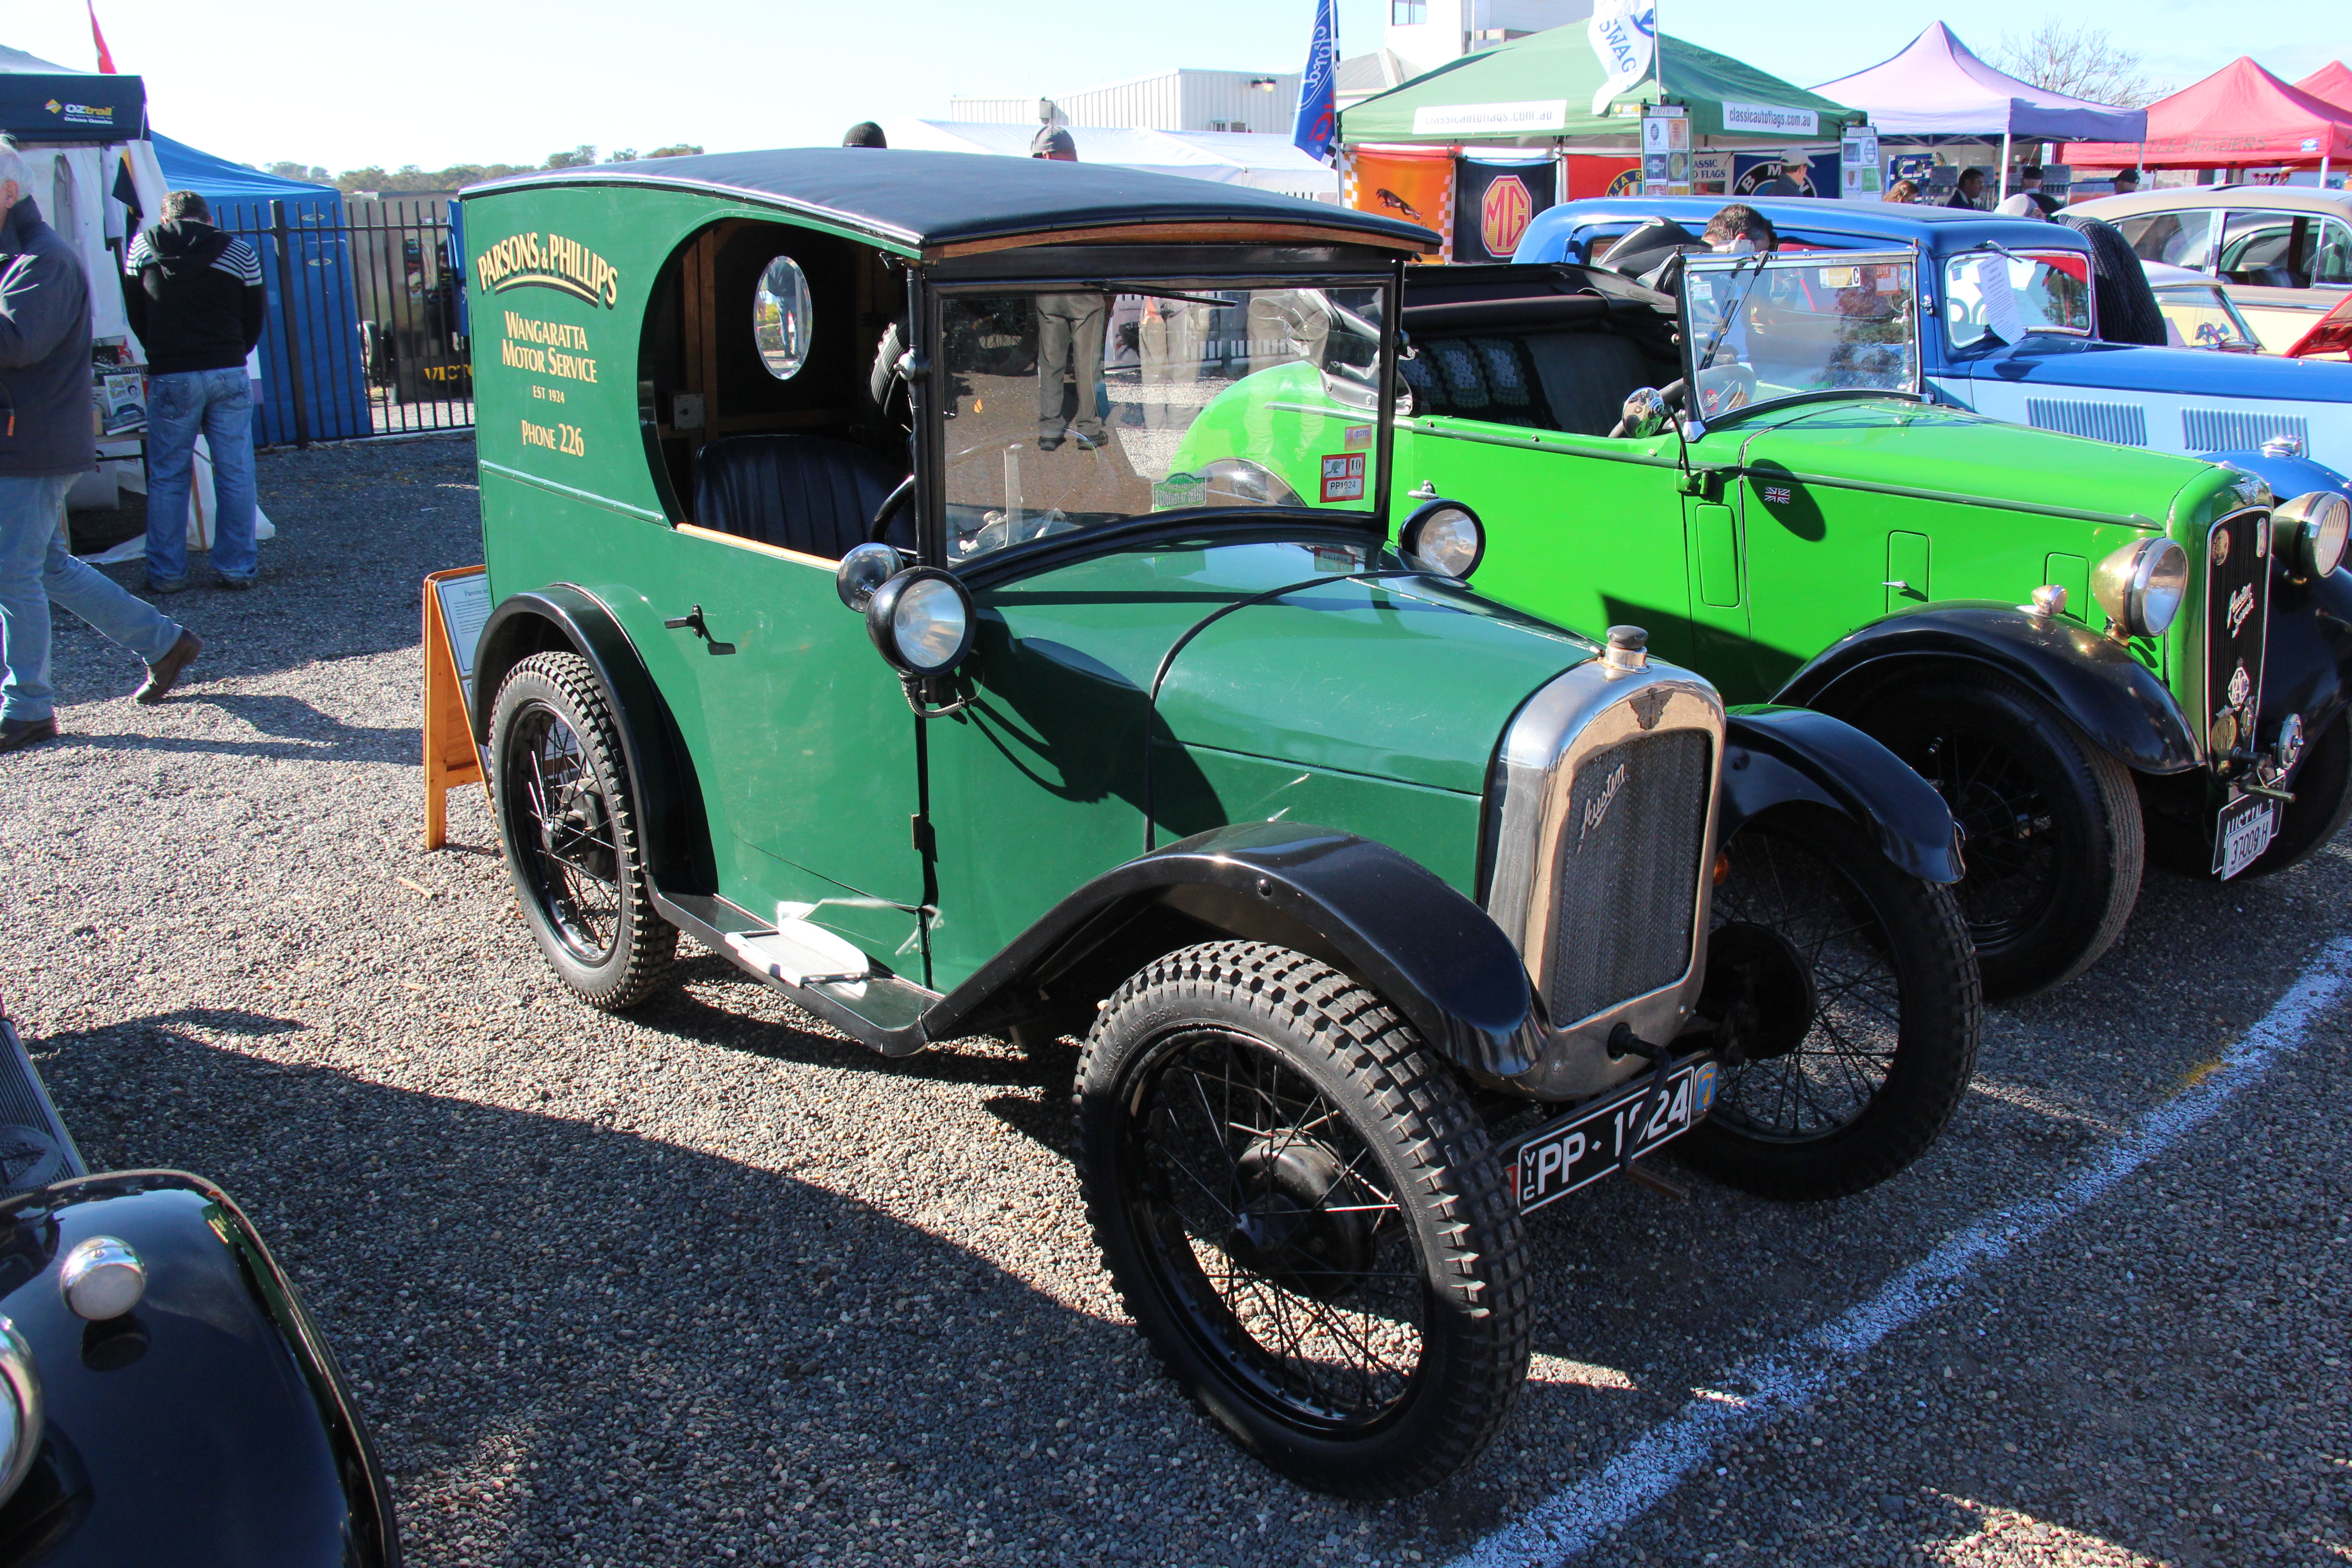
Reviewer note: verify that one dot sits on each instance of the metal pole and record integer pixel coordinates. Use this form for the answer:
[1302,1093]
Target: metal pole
[280,231]
[2004,170]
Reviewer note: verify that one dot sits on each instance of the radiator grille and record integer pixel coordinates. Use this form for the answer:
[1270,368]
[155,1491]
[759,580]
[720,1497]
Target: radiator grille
[2239,429]
[2237,616]
[1628,870]
[2125,424]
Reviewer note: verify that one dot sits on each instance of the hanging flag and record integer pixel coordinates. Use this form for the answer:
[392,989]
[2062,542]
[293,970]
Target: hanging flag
[1625,34]
[1318,115]
[105,56]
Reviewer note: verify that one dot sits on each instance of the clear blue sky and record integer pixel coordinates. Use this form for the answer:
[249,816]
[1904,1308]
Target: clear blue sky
[433,83]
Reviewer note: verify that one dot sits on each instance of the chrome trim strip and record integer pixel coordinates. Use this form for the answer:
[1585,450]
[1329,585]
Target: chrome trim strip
[1577,713]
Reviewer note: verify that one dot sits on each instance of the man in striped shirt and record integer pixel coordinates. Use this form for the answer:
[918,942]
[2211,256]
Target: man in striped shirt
[194,297]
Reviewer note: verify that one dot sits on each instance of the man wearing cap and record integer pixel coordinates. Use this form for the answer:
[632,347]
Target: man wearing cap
[1069,336]
[2029,183]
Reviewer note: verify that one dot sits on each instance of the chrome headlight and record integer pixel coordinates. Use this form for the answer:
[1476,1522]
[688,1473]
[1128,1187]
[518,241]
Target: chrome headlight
[1445,536]
[1237,481]
[2142,585]
[2309,533]
[921,620]
[20,1409]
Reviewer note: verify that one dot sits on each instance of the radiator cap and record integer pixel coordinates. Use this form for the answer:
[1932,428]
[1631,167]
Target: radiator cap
[1628,649]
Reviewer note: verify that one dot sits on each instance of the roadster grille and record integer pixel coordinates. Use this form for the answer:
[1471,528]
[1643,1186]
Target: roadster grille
[2237,618]
[1629,867]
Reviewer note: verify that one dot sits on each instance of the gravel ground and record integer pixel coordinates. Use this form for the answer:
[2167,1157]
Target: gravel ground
[710,1283]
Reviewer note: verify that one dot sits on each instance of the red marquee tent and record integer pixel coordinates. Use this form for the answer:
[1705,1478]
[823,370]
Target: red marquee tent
[2332,83]
[2239,116]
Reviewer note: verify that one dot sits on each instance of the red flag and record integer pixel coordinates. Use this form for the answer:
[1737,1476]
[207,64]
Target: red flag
[105,56]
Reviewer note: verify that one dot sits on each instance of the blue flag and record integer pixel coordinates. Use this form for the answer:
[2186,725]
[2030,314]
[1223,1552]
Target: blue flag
[1318,125]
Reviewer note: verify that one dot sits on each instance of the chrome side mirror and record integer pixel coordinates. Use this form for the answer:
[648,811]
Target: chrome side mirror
[1645,412]
[864,569]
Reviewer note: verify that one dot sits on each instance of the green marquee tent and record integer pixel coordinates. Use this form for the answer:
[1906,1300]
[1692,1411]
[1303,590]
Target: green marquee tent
[1538,90]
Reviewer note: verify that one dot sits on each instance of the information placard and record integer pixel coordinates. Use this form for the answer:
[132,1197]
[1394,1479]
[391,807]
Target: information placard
[457,606]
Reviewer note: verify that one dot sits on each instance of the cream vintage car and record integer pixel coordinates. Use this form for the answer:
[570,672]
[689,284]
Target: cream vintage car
[2282,253]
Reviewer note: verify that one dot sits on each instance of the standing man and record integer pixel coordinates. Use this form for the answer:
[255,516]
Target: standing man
[194,297]
[1969,191]
[1069,337]
[2126,182]
[46,441]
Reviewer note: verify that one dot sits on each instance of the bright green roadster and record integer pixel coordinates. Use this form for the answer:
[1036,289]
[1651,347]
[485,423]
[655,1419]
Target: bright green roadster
[856,618]
[2093,652]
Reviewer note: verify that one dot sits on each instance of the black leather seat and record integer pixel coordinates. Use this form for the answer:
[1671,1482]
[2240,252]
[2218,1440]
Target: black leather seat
[809,493]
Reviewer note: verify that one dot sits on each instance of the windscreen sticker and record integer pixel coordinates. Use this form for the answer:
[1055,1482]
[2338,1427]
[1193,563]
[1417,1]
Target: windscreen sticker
[1343,476]
[1358,438]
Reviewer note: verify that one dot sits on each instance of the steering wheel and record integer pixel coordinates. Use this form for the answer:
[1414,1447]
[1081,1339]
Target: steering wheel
[1724,387]
[892,505]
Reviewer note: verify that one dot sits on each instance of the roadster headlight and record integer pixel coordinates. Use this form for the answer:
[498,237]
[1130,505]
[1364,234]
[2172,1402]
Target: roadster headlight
[1237,481]
[20,1408]
[2141,586]
[1445,536]
[921,620]
[2309,532]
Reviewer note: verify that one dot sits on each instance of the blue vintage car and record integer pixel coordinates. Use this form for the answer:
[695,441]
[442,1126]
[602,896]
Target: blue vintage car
[2040,366]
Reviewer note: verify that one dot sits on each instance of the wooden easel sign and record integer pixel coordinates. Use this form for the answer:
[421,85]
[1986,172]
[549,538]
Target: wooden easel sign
[457,606]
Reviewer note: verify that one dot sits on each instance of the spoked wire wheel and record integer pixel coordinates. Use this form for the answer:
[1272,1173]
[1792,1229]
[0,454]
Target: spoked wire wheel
[2008,825]
[1274,1232]
[562,820]
[1846,1009]
[570,826]
[1304,1217]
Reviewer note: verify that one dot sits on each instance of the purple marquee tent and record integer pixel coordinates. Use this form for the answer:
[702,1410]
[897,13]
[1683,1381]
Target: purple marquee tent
[1936,86]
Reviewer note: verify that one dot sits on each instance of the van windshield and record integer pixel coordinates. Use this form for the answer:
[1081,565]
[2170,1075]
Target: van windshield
[1070,407]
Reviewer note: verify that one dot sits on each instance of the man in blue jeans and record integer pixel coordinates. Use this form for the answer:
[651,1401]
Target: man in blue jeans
[194,297]
[45,440]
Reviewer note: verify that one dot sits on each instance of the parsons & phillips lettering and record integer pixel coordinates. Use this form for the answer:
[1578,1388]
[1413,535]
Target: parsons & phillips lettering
[532,261]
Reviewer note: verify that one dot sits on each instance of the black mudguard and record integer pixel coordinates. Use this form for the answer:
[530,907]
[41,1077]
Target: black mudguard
[1774,756]
[1368,910]
[209,1426]
[2112,697]
[669,796]
[2307,665]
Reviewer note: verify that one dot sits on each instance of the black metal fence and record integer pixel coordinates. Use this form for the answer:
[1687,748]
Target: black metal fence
[366,326]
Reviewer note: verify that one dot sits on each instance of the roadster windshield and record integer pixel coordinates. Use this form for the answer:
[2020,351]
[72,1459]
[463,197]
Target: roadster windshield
[1070,407]
[1760,329]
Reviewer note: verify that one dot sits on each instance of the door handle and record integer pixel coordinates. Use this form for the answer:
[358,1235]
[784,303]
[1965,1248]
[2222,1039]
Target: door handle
[689,622]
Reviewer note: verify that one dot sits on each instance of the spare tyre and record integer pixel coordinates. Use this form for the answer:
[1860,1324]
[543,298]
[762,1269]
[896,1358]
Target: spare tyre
[2124,305]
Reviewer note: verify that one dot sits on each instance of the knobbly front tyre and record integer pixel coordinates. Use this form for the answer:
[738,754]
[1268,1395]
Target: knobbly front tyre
[1305,1218]
[1843,996]
[573,839]
[2056,841]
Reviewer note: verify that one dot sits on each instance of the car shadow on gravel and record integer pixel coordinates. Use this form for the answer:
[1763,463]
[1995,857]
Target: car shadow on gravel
[574,1342]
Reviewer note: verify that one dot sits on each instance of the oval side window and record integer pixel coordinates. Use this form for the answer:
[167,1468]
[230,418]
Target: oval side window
[781,313]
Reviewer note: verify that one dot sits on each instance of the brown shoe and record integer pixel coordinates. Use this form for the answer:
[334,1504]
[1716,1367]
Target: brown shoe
[166,670]
[15,734]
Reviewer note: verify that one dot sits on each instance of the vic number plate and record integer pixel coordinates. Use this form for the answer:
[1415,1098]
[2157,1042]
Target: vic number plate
[2246,828]
[1583,1147]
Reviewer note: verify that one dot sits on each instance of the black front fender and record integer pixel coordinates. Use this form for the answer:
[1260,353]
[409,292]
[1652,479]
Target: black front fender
[2307,666]
[2112,697]
[209,1426]
[668,795]
[1370,911]
[1773,756]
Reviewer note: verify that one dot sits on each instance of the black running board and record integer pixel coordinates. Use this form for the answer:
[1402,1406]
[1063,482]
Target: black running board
[881,1010]
[35,1147]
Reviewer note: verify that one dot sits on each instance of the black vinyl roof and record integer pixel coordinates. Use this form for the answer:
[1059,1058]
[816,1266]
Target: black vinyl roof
[931,200]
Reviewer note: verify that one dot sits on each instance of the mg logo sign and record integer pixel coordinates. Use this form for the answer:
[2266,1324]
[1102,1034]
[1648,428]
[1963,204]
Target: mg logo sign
[1503,213]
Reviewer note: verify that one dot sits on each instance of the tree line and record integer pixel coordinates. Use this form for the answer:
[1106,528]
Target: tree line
[410,178]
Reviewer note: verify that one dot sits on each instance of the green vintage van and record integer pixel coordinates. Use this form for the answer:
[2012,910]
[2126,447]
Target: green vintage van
[2095,653]
[853,618]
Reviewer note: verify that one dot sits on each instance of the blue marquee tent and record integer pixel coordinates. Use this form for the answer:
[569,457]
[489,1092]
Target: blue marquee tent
[317,331]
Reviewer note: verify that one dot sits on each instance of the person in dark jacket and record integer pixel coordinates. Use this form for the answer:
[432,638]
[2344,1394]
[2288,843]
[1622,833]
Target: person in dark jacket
[194,297]
[46,442]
